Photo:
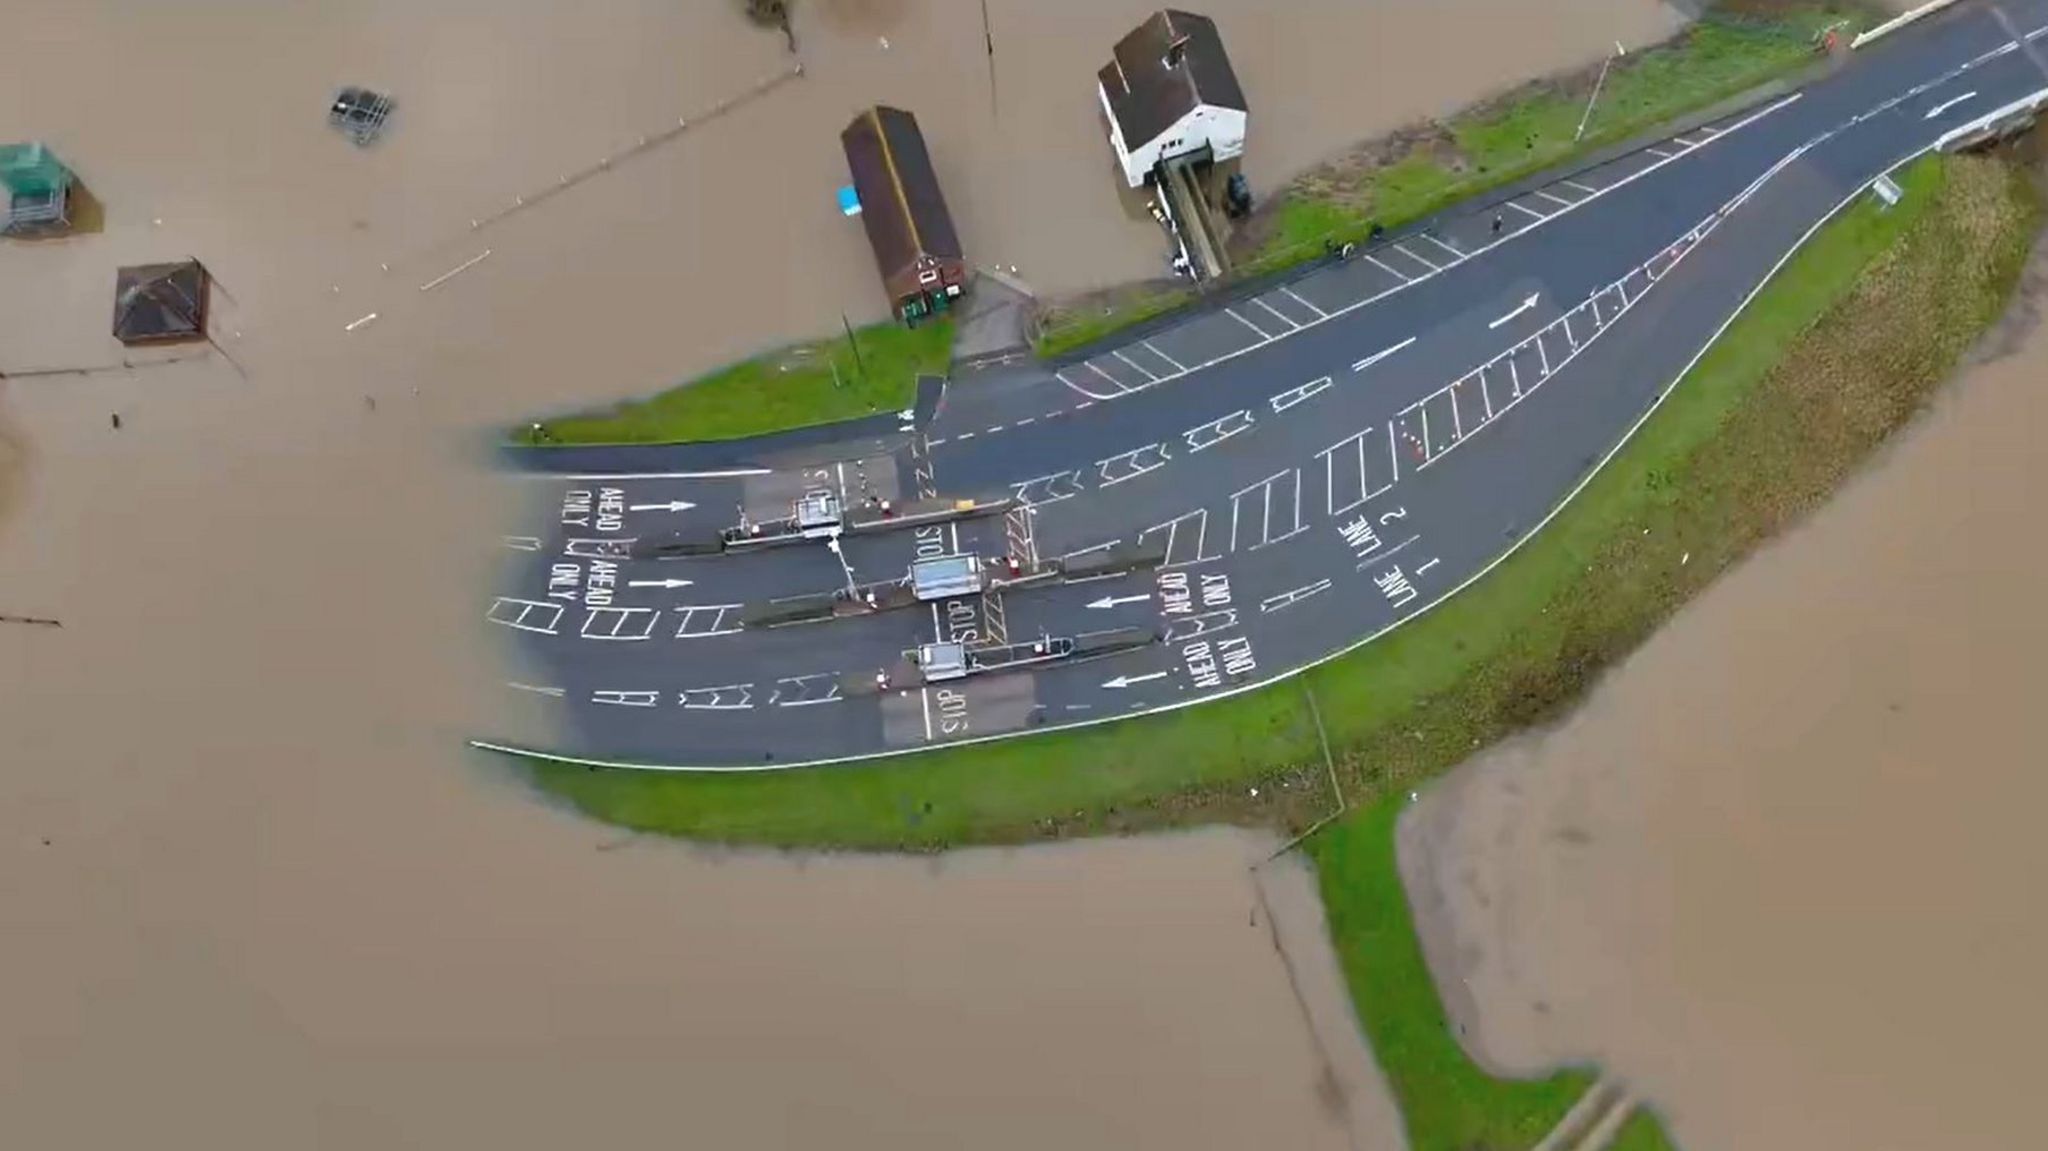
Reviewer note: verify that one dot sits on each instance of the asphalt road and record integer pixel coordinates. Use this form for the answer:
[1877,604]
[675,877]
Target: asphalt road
[1318,461]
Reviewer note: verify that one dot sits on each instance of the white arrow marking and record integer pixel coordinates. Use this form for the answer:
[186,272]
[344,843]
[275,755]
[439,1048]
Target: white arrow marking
[1945,105]
[1376,357]
[1524,306]
[1128,680]
[664,583]
[1113,600]
[671,506]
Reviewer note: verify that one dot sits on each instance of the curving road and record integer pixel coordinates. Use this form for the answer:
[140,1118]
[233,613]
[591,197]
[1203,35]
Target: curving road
[1282,478]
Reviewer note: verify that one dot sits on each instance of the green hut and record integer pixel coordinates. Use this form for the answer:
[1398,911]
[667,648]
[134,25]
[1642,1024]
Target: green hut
[35,191]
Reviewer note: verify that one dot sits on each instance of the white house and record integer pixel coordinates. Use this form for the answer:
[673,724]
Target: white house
[1170,91]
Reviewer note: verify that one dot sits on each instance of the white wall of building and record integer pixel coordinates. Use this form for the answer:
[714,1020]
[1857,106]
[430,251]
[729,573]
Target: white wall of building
[1221,129]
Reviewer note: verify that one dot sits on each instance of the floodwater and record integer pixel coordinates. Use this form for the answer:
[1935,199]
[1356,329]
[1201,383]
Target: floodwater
[254,890]
[1784,871]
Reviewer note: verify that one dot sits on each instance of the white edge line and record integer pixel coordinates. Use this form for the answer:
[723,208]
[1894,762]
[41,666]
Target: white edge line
[729,473]
[1482,573]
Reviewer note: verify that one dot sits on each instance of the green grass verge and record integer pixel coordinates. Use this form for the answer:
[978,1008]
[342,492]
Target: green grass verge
[1726,461]
[1534,129]
[1447,1101]
[795,387]
[1494,144]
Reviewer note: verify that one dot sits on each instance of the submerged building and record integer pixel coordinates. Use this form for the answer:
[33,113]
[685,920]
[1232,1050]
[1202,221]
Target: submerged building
[916,249]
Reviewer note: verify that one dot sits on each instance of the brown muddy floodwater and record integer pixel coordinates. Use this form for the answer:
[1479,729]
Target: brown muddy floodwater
[254,894]
[1785,870]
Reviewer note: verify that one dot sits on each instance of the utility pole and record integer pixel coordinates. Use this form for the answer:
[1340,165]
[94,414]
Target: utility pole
[853,343]
[988,38]
[1619,52]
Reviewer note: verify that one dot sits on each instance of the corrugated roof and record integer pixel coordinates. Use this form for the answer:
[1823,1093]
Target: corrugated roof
[1151,85]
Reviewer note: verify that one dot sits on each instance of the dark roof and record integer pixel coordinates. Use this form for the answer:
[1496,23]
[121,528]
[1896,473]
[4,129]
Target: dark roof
[160,302]
[1151,86]
[901,206]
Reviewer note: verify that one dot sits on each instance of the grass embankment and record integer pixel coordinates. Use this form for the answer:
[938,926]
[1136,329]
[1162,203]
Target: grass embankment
[1736,452]
[1813,376]
[1426,169]
[818,383]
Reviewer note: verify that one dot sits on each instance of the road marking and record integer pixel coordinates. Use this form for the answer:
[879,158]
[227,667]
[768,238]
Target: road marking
[1060,374]
[663,583]
[1293,596]
[623,620]
[1453,249]
[1565,322]
[455,271]
[1282,401]
[529,617]
[1134,461]
[1172,528]
[1121,386]
[1544,356]
[717,698]
[1110,601]
[729,473]
[670,506]
[714,627]
[556,692]
[1382,354]
[1124,681]
[1388,269]
[1485,394]
[523,543]
[1367,561]
[1526,211]
[992,429]
[1514,376]
[1217,430]
[925,696]
[1291,325]
[1558,200]
[1527,303]
[1457,419]
[617,698]
[1582,187]
[1393,454]
[963,436]
[1296,297]
[1404,250]
[1660,153]
[1027,420]
[1684,143]
[1133,363]
[1232,312]
[1150,347]
[1945,105]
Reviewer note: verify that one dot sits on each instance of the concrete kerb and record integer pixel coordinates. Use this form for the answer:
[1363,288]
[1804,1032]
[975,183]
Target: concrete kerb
[1900,21]
[1534,531]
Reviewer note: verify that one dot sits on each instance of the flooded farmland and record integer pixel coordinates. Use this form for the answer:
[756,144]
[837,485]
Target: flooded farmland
[1784,870]
[252,886]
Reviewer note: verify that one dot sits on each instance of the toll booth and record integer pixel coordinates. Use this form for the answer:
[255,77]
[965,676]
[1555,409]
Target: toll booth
[818,514]
[942,661]
[946,577]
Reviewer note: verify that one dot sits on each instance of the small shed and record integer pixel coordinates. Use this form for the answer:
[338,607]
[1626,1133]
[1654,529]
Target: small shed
[1169,91]
[161,303]
[35,191]
[916,248]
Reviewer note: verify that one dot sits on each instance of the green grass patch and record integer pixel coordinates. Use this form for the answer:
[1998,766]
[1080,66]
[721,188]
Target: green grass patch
[1077,326]
[818,383]
[1751,439]
[1447,1101]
